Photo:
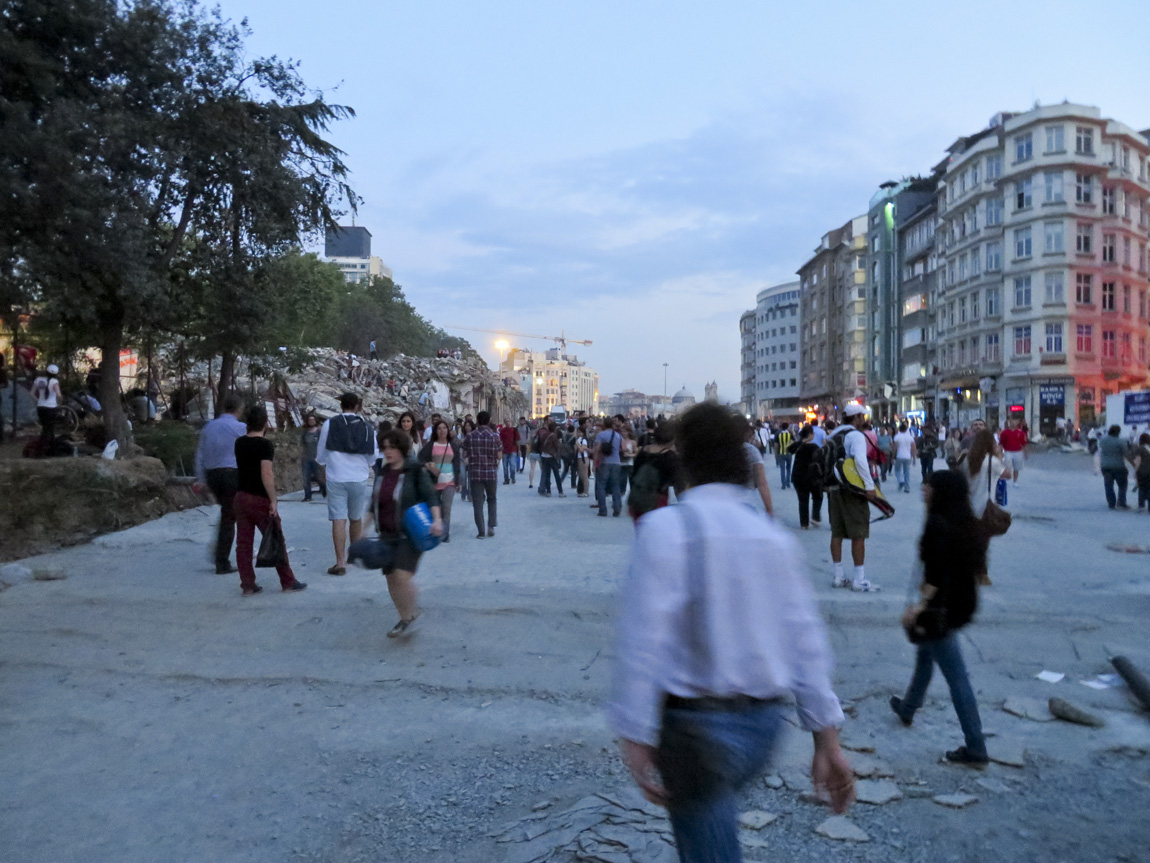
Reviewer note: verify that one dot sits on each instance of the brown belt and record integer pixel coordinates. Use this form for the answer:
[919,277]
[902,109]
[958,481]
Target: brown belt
[726,704]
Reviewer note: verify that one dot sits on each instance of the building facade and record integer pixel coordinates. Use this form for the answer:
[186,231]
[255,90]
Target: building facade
[918,297]
[776,352]
[832,312]
[1042,252]
[747,362]
[349,248]
[552,379]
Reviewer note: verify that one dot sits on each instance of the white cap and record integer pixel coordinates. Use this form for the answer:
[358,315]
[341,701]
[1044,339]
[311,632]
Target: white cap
[854,410]
[53,369]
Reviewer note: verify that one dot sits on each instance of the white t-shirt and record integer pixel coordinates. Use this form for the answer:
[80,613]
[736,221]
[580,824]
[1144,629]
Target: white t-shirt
[979,494]
[754,457]
[903,441]
[47,392]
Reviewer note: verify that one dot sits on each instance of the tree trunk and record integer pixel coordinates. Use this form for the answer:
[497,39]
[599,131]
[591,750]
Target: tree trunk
[115,421]
[227,378]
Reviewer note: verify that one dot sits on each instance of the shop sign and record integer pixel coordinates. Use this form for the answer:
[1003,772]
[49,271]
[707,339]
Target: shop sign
[1137,408]
[1052,394]
[1086,395]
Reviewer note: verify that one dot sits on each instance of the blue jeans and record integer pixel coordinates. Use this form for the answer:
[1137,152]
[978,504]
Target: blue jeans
[1110,476]
[783,463]
[550,466]
[704,758]
[902,472]
[312,471]
[509,467]
[947,653]
[607,480]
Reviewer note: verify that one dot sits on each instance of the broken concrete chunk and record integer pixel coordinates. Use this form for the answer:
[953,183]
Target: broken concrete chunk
[773,781]
[955,801]
[757,819]
[750,840]
[994,786]
[1009,754]
[841,828]
[876,792]
[1063,709]
[1028,708]
[869,767]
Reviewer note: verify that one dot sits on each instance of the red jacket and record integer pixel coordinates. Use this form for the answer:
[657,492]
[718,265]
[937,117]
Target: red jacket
[509,436]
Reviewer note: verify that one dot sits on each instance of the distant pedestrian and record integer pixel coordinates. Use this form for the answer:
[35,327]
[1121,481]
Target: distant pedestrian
[371,351]
[658,469]
[927,450]
[550,446]
[484,452]
[509,438]
[1013,440]
[255,502]
[850,514]
[809,492]
[716,628]
[952,552]
[1113,455]
[884,441]
[347,449]
[308,454]
[524,431]
[1142,470]
[783,457]
[905,451]
[582,458]
[819,432]
[46,391]
[608,447]
[216,468]
[465,428]
[442,458]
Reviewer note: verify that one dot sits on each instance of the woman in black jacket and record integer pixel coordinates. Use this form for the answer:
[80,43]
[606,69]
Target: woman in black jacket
[810,494]
[953,553]
[402,484]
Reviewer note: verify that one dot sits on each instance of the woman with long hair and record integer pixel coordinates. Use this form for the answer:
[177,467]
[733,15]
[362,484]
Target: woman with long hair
[463,485]
[952,551]
[651,488]
[403,484]
[406,424]
[442,458]
[983,467]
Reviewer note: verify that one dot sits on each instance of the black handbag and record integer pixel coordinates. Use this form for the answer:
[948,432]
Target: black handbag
[273,547]
[929,625]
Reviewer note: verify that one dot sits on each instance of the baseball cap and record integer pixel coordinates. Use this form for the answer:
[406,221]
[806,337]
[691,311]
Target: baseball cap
[854,410]
[53,369]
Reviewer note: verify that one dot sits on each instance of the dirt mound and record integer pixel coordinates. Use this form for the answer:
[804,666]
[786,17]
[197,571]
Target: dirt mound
[59,502]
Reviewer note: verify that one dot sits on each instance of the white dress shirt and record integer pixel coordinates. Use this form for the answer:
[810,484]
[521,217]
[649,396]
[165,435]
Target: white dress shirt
[765,636]
[345,466]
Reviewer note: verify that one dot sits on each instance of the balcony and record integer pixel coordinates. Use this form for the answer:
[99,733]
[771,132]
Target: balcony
[1051,359]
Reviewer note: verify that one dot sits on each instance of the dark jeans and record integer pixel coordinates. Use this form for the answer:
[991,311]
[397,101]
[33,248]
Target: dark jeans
[569,471]
[625,471]
[783,463]
[47,417]
[222,481]
[927,462]
[483,490]
[607,481]
[522,456]
[1143,490]
[947,653]
[312,471]
[810,503]
[1110,476]
[550,466]
[704,758]
[252,512]
[509,467]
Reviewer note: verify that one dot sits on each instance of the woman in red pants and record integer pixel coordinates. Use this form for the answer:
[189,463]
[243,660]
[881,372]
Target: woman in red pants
[255,501]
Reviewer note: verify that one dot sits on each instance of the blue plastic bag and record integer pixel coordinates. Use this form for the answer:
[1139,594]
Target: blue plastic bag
[417,522]
[1000,492]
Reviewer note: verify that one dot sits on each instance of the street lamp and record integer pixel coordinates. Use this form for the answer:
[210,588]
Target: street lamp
[503,345]
[665,380]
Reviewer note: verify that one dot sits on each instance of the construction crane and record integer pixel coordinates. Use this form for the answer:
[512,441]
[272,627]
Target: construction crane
[560,340]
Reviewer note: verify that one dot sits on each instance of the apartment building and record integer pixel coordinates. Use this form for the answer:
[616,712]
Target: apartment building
[776,348]
[349,248]
[918,297]
[553,379]
[1042,267]
[747,400]
[833,326]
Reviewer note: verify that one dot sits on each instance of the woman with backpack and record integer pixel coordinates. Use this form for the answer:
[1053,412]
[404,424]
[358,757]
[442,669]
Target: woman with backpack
[952,552]
[443,459]
[809,489]
[657,471]
[403,484]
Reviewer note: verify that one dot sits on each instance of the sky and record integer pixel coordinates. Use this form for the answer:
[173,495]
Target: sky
[632,173]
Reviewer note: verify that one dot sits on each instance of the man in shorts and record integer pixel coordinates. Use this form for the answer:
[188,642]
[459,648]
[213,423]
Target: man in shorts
[850,513]
[347,449]
[1013,441]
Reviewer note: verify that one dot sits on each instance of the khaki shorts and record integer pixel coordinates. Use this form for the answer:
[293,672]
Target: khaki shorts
[849,515]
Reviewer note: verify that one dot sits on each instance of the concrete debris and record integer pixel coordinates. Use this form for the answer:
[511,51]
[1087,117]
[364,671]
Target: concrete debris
[855,746]
[600,828]
[757,819]
[1009,754]
[12,574]
[48,575]
[773,781]
[868,767]
[877,792]
[750,840]
[955,801]
[994,786]
[841,828]
[1063,709]
[795,779]
[1028,708]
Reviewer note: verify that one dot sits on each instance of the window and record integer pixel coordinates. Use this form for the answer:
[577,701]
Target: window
[1142,350]
[1084,141]
[1085,342]
[1109,199]
[962,267]
[1108,243]
[1054,139]
[974,173]
[1054,338]
[1022,193]
[1021,341]
[993,167]
[1023,147]
[1084,243]
[1084,189]
[994,210]
[1055,288]
[1053,236]
[962,352]
[962,310]
[1125,299]
[1022,291]
[1022,247]
[1053,183]
[1108,344]
[993,257]
[1082,289]
[993,353]
[1142,304]
[1108,296]
[976,262]
[993,302]
[974,303]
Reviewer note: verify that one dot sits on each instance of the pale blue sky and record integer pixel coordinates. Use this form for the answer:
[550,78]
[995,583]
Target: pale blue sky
[634,172]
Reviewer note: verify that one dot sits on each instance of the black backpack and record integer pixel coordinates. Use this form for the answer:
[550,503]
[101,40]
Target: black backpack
[607,447]
[821,473]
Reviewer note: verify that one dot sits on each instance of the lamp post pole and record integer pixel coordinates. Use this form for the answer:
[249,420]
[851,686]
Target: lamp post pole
[665,380]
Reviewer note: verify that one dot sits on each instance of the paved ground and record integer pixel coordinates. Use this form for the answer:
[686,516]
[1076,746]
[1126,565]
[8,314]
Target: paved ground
[147,712]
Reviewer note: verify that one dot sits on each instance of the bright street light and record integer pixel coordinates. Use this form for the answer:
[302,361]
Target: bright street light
[503,345]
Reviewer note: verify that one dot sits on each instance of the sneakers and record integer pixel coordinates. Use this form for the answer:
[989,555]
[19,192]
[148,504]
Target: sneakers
[491,531]
[253,590]
[402,627]
[224,569]
[840,582]
[561,494]
[962,755]
[296,586]
[896,706]
[865,586]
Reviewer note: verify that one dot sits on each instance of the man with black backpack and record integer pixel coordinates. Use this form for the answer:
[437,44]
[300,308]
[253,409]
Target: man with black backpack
[347,449]
[609,466]
[849,513]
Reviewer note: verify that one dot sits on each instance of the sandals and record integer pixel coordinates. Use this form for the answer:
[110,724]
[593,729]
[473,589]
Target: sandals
[337,570]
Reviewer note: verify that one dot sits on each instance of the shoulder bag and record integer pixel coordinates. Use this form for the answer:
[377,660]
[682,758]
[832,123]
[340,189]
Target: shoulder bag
[995,520]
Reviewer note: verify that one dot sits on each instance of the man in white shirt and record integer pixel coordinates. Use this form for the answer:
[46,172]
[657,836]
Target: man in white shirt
[820,432]
[717,625]
[905,451]
[347,449]
[850,514]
